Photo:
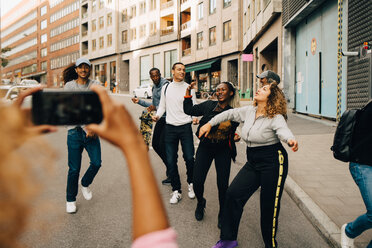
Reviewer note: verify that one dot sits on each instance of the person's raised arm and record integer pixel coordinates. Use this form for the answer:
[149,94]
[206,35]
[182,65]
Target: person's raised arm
[161,108]
[119,129]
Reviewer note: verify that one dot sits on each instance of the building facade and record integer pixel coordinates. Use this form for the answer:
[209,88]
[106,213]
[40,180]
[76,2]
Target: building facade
[262,40]
[310,56]
[210,41]
[43,37]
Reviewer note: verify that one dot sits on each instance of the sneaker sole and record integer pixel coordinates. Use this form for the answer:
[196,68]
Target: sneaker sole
[175,202]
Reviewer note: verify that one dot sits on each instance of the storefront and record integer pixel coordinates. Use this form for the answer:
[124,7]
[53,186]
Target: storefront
[207,74]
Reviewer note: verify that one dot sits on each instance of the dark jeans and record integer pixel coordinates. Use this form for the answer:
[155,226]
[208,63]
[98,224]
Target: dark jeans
[76,142]
[173,135]
[267,166]
[222,159]
[158,141]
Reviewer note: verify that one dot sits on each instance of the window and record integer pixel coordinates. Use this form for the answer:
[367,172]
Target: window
[94,5]
[109,40]
[109,19]
[156,60]
[142,31]
[145,66]
[170,57]
[142,9]
[94,25]
[43,52]
[124,16]
[43,38]
[43,10]
[227,31]
[101,22]
[152,5]
[44,66]
[134,10]
[109,1]
[153,28]
[212,6]
[124,36]
[43,24]
[94,45]
[249,17]
[101,4]
[226,3]
[200,10]
[134,33]
[101,42]
[212,36]
[199,40]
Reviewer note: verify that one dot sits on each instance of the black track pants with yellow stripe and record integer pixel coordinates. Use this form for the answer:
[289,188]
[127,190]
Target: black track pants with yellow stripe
[266,167]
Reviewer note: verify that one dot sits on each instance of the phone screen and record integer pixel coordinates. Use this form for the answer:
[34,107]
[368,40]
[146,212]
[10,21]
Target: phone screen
[59,107]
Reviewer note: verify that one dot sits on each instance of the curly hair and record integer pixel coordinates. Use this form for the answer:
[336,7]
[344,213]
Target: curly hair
[276,102]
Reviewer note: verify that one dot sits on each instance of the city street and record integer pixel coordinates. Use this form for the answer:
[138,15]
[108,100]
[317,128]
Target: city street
[105,221]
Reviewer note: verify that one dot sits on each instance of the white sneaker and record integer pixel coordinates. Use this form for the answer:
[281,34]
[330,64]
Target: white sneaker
[176,197]
[87,193]
[346,242]
[71,207]
[191,191]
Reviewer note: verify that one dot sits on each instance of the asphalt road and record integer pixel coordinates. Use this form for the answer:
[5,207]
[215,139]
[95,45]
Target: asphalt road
[105,221]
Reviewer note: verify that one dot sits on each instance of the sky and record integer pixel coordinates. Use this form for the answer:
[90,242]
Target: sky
[7,5]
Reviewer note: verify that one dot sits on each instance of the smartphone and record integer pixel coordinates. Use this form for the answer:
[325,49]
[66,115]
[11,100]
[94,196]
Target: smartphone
[60,107]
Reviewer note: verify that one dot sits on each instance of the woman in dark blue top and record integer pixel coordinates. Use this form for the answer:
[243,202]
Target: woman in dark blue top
[218,145]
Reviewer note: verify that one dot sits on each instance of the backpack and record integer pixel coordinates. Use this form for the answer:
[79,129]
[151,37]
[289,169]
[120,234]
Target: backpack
[343,136]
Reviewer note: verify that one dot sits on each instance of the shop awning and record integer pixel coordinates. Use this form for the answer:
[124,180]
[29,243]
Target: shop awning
[201,66]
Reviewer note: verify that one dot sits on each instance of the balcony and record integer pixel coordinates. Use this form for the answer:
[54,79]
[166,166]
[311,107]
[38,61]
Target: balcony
[85,51]
[167,30]
[84,33]
[186,52]
[166,4]
[186,25]
[84,15]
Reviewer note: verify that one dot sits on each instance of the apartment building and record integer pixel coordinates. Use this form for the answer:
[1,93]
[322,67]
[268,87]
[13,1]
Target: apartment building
[149,32]
[158,33]
[43,37]
[100,39]
[211,41]
[262,42]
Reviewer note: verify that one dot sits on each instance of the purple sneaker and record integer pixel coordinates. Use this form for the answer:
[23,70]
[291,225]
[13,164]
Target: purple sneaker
[226,244]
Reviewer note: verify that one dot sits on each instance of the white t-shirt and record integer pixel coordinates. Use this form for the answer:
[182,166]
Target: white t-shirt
[172,103]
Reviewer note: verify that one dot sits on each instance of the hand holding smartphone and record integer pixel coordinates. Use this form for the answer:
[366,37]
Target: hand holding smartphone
[60,107]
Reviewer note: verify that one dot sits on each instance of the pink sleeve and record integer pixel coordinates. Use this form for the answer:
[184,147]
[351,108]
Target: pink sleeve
[166,238]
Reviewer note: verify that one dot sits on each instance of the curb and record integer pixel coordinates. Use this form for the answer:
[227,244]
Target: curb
[328,229]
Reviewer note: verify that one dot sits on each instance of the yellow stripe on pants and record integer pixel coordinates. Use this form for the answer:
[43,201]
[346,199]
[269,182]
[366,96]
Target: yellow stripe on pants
[281,161]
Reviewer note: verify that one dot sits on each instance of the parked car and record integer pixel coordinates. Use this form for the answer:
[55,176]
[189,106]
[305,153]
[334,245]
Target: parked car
[13,92]
[144,90]
[29,82]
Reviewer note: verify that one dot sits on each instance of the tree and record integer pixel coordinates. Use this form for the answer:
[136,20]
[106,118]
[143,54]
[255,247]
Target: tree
[4,60]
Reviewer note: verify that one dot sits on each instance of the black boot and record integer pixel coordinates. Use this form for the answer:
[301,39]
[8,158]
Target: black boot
[199,211]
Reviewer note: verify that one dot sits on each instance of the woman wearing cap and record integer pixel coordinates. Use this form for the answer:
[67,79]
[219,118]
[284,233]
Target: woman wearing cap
[218,145]
[267,162]
[76,77]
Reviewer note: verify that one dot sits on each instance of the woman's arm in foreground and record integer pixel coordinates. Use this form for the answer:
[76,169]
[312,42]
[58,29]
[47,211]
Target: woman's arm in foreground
[119,129]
